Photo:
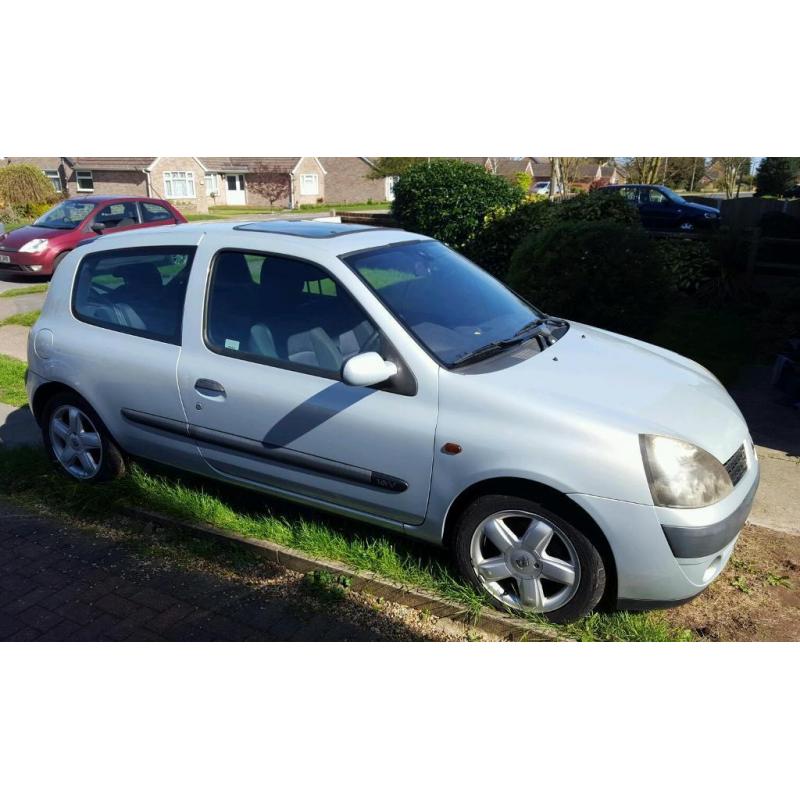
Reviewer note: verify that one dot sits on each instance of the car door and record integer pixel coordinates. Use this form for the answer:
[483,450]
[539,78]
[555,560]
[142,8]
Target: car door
[116,216]
[658,209]
[260,382]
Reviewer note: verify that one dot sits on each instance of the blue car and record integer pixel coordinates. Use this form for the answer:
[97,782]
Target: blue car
[662,209]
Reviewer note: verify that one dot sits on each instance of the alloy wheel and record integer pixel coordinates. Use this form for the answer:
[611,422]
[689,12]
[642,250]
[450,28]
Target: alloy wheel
[75,442]
[525,561]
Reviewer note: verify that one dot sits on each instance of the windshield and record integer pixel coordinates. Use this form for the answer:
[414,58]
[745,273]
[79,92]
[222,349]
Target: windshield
[674,196]
[65,216]
[451,306]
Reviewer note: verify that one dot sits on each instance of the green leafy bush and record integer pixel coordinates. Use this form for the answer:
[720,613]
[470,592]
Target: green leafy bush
[493,246]
[22,185]
[450,200]
[603,273]
[597,206]
[690,264]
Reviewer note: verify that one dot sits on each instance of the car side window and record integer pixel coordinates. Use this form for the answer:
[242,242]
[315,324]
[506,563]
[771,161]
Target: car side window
[153,212]
[630,193]
[286,312]
[654,197]
[139,291]
[118,215]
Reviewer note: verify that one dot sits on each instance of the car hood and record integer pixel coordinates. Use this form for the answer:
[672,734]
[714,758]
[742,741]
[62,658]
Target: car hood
[601,378]
[701,207]
[21,236]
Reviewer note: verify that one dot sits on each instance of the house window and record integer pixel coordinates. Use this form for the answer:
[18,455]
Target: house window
[309,184]
[179,185]
[85,180]
[212,183]
[54,178]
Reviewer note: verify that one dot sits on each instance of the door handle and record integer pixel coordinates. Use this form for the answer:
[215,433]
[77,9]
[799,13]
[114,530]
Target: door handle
[206,385]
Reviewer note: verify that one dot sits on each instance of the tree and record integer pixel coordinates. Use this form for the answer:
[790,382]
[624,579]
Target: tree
[390,166]
[564,172]
[270,185]
[732,170]
[643,169]
[775,175]
[24,185]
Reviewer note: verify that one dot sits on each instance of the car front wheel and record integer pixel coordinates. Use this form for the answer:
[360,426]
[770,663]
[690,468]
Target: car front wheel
[526,558]
[77,441]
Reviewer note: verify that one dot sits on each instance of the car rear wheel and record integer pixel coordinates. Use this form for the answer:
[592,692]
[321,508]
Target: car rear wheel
[77,441]
[526,558]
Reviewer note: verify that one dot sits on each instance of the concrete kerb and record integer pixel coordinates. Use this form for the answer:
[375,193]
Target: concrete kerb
[449,613]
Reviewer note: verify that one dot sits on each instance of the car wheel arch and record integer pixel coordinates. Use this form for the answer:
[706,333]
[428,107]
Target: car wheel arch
[551,498]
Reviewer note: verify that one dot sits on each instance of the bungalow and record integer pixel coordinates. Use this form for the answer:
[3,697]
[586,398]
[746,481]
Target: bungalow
[197,183]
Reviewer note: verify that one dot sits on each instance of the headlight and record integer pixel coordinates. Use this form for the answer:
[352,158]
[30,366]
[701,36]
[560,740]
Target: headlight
[682,475]
[711,215]
[34,246]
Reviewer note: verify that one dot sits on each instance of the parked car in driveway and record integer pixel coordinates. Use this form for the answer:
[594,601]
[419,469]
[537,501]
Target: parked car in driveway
[662,209]
[38,249]
[541,188]
[377,374]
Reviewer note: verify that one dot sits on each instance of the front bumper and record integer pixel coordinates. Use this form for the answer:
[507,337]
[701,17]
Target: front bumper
[27,263]
[664,556]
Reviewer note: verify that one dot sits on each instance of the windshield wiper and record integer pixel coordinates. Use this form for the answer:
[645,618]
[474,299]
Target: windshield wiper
[528,331]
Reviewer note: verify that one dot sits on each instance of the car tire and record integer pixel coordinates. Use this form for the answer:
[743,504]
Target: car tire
[525,563]
[77,442]
[57,260]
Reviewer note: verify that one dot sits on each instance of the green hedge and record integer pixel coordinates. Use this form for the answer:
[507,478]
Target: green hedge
[603,273]
[451,200]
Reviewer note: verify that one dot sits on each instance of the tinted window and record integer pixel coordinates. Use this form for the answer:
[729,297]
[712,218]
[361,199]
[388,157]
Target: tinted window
[135,290]
[153,212]
[452,306]
[118,215]
[283,311]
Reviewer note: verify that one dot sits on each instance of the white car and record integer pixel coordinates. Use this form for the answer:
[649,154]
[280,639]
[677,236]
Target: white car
[377,374]
[541,188]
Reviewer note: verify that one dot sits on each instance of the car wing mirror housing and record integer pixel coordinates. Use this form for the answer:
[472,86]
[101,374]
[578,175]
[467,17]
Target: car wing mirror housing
[367,369]
[99,227]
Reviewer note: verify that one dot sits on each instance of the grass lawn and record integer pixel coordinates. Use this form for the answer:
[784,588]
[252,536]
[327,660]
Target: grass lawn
[26,318]
[36,288]
[12,381]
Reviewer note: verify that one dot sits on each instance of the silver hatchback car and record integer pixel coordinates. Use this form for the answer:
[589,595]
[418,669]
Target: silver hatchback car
[377,374]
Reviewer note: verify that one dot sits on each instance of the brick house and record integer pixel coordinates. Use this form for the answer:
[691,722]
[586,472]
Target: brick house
[349,180]
[197,183]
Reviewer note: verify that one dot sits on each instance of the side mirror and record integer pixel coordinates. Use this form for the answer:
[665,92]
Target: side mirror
[367,369]
[99,227]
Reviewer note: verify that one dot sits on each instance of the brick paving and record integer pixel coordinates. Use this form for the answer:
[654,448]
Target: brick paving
[63,584]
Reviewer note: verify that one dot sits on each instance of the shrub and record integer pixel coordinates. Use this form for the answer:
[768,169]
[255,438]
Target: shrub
[690,264]
[596,206]
[503,232]
[604,273]
[22,185]
[450,200]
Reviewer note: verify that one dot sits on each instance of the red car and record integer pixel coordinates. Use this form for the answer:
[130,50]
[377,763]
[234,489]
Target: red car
[37,249]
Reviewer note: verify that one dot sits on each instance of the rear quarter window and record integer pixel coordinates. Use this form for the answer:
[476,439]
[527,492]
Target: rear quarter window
[138,291]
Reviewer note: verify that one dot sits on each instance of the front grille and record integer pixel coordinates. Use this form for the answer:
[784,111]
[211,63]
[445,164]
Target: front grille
[736,465]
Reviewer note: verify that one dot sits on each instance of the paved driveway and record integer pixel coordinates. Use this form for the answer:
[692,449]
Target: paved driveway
[62,584]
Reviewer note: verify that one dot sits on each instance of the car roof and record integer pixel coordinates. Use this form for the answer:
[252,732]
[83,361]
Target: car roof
[102,198]
[331,238]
